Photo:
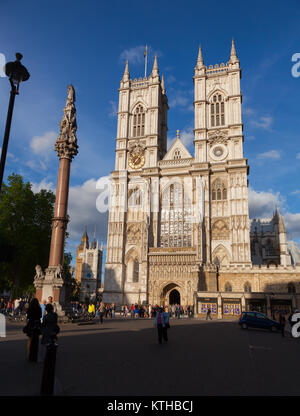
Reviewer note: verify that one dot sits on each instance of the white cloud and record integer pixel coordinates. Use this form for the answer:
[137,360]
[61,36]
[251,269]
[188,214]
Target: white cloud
[37,187]
[292,224]
[262,204]
[8,154]
[43,145]
[170,79]
[298,156]
[182,99]
[113,109]
[263,122]
[248,111]
[83,212]
[250,138]
[271,154]
[135,55]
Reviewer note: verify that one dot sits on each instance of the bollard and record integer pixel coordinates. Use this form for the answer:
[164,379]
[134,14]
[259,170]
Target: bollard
[47,385]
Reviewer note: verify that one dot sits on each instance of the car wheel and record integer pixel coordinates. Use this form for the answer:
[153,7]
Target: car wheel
[244,326]
[273,328]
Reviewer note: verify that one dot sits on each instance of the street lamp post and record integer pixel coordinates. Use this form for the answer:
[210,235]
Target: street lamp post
[16,73]
[217,264]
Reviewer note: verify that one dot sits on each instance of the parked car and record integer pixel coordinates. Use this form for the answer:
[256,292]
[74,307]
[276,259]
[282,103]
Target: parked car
[258,320]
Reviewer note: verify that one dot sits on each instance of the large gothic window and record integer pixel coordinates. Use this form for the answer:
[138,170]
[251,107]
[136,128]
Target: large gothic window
[217,111]
[134,197]
[219,191]
[136,266]
[132,270]
[139,121]
[176,224]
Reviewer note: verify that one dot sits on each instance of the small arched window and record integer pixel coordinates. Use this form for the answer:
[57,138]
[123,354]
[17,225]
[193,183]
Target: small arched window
[177,154]
[139,122]
[217,111]
[136,267]
[228,287]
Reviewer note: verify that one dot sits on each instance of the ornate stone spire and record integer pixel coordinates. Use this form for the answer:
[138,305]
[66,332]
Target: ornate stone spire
[276,216]
[126,75]
[177,134]
[200,62]
[155,67]
[66,143]
[163,85]
[281,227]
[233,56]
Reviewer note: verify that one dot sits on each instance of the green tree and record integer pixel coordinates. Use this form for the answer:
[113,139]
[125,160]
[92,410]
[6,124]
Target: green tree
[25,228]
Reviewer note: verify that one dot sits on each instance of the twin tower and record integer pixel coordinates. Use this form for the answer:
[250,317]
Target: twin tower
[174,215]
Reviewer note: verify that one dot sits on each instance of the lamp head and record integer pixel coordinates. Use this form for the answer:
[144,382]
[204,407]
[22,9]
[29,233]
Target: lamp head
[16,71]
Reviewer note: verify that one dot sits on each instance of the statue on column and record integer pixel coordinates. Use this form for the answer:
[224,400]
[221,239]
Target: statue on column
[55,282]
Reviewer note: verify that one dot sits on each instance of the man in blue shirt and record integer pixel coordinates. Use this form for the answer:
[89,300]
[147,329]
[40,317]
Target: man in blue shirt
[43,307]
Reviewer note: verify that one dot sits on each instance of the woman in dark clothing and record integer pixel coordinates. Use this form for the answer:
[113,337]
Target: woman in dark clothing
[33,329]
[50,329]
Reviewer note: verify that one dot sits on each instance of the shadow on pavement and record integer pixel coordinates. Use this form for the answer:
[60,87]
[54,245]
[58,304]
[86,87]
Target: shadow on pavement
[126,359]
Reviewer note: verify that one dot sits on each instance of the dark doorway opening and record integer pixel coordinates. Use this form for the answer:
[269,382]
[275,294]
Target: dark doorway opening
[174,297]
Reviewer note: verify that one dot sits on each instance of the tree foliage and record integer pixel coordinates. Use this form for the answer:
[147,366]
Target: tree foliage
[25,232]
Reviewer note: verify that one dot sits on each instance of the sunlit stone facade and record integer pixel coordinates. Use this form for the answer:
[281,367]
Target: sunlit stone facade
[179,223]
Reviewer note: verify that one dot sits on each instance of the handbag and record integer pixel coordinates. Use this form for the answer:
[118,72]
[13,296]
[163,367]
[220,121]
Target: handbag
[167,325]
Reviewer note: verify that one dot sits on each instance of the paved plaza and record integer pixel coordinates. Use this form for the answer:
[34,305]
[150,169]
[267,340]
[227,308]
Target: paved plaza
[122,357]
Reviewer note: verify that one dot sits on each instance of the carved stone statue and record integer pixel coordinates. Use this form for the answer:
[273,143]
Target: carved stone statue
[66,143]
[39,274]
[59,272]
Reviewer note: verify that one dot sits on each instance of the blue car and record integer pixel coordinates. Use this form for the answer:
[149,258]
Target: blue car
[258,320]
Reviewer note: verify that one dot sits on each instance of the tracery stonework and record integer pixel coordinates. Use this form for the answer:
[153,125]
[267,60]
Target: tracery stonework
[173,214]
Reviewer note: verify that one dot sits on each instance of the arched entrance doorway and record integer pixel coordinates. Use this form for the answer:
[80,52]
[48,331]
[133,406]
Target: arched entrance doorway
[174,297]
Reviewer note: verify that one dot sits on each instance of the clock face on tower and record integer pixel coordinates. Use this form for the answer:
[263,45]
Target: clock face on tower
[136,158]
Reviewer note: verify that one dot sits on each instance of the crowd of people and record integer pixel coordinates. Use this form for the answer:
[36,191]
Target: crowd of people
[41,320]
[10,307]
[99,309]
[150,311]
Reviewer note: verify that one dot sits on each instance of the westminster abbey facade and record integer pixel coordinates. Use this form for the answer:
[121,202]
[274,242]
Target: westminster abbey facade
[179,228]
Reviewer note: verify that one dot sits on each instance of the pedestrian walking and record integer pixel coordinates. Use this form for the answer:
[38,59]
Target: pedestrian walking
[91,310]
[43,308]
[161,320]
[208,314]
[49,329]
[136,311]
[33,329]
[50,300]
[177,311]
[101,312]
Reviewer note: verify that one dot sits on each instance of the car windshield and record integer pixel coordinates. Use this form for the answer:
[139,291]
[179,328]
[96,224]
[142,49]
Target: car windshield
[261,316]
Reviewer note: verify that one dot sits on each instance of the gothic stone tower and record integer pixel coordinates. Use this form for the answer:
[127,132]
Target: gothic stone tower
[171,214]
[88,267]
[141,142]
[219,157]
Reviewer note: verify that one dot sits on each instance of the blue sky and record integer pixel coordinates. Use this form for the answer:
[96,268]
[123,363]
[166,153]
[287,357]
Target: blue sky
[87,43]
